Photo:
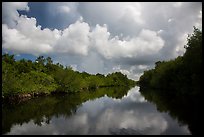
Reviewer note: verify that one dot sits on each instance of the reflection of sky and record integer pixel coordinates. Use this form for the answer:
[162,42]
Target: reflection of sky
[130,115]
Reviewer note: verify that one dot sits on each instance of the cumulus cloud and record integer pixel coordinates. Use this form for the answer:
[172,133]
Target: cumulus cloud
[9,12]
[26,37]
[74,39]
[146,43]
[155,17]
[133,71]
[37,41]
[171,17]
[77,39]
[121,17]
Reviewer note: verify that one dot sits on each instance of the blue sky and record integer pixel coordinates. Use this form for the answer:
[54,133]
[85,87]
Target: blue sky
[41,11]
[38,10]
[99,37]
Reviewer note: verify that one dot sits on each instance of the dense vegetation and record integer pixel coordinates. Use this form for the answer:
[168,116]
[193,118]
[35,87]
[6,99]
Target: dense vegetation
[44,77]
[175,85]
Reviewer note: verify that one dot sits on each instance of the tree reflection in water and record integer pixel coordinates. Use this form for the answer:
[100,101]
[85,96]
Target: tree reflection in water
[186,109]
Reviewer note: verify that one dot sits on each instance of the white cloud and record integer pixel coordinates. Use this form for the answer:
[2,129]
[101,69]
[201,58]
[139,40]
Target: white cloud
[74,39]
[180,46]
[198,24]
[134,72]
[9,12]
[142,66]
[146,43]
[133,12]
[200,14]
[63,9]
[35,41]
[102,9]
[121,17]
[16,41]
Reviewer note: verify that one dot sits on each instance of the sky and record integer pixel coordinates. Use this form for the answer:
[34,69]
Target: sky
[99,37]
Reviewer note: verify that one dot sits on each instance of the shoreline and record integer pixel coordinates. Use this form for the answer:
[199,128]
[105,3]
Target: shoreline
[18,98]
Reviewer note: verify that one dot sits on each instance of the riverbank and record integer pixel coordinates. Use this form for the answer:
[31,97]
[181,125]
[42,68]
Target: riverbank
[15,99]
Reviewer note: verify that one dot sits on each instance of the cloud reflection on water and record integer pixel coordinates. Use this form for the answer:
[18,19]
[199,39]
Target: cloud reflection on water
[130,115]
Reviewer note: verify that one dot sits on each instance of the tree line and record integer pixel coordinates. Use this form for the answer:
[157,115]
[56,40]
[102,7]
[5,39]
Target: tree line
[43,76]
[180,76]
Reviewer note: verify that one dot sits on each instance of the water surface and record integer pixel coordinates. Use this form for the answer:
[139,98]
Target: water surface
[105,111]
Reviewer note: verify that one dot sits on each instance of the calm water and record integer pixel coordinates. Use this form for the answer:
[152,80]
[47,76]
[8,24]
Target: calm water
[105,111]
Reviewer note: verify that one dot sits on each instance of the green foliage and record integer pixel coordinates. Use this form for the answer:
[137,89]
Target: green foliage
[40,60]
[42,76]
[8,58]
[181,76]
